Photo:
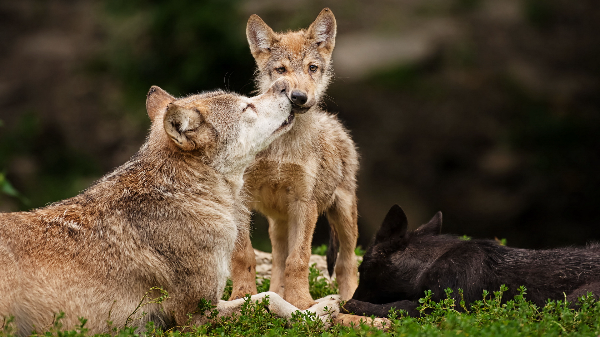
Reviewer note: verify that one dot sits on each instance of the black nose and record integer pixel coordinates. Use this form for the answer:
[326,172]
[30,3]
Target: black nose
[298,97]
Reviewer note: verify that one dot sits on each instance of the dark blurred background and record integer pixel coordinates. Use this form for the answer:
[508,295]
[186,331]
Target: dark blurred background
[488,110]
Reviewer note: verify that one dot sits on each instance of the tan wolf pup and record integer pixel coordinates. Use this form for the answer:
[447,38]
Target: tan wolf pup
[310,170]
[167,218]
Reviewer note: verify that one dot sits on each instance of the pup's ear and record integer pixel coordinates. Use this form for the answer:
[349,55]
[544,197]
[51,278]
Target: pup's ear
[323,30]
[188,129]
[394,225]
[260,36]
[433,227]
[157,101]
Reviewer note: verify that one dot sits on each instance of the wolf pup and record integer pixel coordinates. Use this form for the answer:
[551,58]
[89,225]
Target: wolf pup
[401,265]
[167,218]
[310,170]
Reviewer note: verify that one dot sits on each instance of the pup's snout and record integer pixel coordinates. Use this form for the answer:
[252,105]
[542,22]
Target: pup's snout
[298,97]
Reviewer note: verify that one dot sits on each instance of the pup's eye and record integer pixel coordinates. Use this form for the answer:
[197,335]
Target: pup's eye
[280,70]
[313,68]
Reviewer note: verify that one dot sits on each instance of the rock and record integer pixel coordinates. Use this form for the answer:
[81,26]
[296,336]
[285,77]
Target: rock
[264,263]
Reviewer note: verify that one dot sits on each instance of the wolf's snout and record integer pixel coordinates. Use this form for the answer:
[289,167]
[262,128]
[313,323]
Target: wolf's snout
[281,86]
[298,97]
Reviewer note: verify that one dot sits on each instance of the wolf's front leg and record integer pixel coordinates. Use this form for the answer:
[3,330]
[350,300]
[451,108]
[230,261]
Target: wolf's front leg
[277,305]
[302,221]
[243,268]
[380,310]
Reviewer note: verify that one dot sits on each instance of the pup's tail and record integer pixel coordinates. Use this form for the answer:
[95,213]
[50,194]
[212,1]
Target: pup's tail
[332,250]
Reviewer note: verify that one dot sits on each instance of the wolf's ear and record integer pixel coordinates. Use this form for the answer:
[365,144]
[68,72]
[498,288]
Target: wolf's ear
[188,129]
[157,101]
[260,36]
[394,225]
[323,30]
[433,227]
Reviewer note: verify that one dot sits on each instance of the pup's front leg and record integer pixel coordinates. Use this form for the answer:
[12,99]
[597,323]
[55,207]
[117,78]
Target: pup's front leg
[278,233]
[380,310]
[243,268]
[302,221]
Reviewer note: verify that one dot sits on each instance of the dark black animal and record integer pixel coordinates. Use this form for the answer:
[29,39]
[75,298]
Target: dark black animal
[399,266]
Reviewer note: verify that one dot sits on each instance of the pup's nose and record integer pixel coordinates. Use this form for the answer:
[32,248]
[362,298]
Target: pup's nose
[298,97]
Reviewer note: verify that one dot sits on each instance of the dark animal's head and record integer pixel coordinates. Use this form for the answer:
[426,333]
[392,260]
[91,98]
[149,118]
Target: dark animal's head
[393,264]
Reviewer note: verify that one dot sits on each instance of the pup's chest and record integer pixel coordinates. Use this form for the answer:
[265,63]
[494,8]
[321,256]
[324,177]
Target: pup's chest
[274,185]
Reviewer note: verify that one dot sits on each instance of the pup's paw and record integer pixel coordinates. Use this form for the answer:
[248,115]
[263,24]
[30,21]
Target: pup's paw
[326,308]
[330,298]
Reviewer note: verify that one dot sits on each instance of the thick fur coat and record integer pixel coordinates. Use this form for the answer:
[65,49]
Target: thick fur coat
[401,265]
[309,171]
[167,218]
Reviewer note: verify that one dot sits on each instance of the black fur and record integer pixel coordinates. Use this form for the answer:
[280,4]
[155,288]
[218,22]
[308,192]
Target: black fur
[332,250]
[399,266]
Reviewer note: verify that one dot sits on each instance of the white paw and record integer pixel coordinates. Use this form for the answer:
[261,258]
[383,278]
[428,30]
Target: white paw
[326,308]
[329,298]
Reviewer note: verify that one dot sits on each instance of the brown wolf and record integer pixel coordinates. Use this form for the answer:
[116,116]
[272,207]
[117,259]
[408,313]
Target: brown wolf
[167,218]
[310,170]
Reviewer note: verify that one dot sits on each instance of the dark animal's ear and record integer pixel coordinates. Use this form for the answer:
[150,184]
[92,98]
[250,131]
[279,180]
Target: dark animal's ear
[433,227]
[323,30]
[394,225]
[188,129]
[157,101]
[260,36]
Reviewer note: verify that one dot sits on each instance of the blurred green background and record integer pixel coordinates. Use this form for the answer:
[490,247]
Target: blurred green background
[488,110]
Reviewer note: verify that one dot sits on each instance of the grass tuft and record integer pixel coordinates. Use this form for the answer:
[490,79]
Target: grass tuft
[494,315]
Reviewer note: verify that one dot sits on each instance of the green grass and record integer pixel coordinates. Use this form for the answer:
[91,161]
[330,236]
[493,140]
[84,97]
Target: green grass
[322,250]
[488,317]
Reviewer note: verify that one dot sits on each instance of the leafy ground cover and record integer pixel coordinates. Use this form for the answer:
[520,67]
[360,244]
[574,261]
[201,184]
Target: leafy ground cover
[488,317]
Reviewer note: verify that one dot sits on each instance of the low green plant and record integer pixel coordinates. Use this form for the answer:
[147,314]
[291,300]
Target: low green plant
[502,242]
[322,250]
[359,251]
[5,185]
[494,315]
[319,286]
[146,300]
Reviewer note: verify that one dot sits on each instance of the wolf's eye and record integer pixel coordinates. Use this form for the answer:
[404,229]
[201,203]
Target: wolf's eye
[280,70]
[313,68]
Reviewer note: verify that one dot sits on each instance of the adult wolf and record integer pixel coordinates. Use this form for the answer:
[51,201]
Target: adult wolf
[400,265]
[167,218]
[310,170]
